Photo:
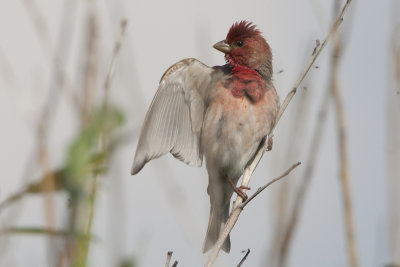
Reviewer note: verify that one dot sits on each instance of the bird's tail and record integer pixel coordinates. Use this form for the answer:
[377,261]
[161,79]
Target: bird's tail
[218,217]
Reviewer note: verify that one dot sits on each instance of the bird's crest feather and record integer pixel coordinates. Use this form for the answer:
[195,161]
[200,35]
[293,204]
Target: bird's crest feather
[241,30]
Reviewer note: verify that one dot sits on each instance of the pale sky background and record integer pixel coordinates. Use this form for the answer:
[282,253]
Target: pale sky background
[166,207]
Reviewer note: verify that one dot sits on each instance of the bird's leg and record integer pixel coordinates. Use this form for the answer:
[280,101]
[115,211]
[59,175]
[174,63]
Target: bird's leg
[270,142]
[238,190]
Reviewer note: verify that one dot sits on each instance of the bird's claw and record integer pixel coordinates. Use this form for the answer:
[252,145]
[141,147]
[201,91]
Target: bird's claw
[238,190]
[244,187]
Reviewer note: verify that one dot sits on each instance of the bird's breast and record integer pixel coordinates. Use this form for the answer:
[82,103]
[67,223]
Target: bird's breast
[233,127]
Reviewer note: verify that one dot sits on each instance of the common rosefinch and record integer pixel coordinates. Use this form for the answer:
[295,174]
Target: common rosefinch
[223,112]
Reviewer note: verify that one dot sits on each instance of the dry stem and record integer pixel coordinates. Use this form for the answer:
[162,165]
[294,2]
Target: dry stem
[169,256]
[305,182]
[101,141]
[244,258]
[343,160]
[300,193]
[393,138]
[259,190]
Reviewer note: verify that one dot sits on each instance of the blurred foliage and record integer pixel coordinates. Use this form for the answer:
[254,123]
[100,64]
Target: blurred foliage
[43,231]
[83,155]
[90,150]
[127,263]
[84,158]
[87,157]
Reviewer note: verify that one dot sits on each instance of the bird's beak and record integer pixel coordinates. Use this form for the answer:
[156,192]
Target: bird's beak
[222,46]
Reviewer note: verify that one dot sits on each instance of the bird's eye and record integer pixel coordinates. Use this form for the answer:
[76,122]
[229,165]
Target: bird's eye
[239,43]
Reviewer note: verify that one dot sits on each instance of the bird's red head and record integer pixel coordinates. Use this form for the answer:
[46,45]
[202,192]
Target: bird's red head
[245,46]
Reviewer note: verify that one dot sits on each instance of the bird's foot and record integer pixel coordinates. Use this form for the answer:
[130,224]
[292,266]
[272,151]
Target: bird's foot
[238,190]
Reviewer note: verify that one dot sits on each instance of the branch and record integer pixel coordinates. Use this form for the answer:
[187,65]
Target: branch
[342,156]
[110,73]
[300,193]
[244,258]
[169,256]
[234,216]
[259,190]
[315,54]
[102,138]
[107,84]
[44,231]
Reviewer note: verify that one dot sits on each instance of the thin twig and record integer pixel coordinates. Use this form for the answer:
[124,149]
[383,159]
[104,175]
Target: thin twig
[107,84]
[314,56]
[343,159]
[259,190]
[169,256]
[39,23]
[249,169]
[7,72]
[90,65]
[57,85]
[299,119]
[296,123]
[305,181]
[393,139]
[39,154]
[300,194]
[43,232]
[11,199]
[344,177]
[110,73]
[244,258]
[42,30]
[78,249]
[101,141]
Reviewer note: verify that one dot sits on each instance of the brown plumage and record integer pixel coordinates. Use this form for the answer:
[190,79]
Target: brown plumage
[222,112]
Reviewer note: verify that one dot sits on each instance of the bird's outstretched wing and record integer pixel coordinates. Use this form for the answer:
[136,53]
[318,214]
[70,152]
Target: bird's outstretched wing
[175,117]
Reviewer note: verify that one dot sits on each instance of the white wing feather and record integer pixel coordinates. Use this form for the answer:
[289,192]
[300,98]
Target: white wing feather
[175,117]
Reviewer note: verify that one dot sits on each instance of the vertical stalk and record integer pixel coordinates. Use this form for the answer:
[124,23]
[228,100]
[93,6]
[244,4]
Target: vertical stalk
[343,153]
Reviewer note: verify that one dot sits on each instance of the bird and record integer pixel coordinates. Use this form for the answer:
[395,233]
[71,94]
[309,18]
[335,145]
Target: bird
[222,114]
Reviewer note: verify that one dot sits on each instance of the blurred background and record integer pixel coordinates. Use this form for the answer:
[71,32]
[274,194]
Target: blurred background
[77,77]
